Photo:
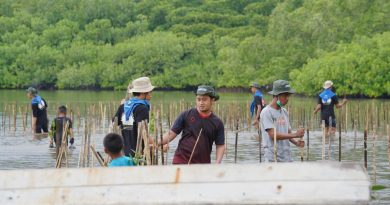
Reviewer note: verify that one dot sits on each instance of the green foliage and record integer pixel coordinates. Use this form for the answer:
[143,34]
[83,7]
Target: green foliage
[360,67]
[377,187]
[226,43]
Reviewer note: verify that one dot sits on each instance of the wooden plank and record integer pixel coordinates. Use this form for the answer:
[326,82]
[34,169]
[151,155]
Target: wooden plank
[282,183]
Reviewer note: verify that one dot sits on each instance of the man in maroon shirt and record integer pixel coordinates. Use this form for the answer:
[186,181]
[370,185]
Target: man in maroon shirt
[200,129]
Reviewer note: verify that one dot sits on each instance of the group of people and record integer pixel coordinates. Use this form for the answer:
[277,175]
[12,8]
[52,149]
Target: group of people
[200,127]
[40,122]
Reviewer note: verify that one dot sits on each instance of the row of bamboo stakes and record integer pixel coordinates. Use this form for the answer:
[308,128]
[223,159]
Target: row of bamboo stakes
[372,119]
[353,115]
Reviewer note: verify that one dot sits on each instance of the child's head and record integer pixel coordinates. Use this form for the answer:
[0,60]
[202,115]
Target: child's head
[113,144]
[62,110]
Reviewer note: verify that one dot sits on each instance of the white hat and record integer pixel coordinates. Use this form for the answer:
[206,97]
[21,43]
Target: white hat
[327,84]
[141,85]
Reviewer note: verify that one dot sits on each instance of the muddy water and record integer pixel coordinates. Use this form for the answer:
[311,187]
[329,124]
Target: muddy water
[20,150]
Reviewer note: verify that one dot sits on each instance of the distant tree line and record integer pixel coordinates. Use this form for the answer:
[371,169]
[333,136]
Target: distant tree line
[73,44]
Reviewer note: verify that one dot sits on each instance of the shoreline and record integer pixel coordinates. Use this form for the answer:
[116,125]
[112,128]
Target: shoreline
[191,89]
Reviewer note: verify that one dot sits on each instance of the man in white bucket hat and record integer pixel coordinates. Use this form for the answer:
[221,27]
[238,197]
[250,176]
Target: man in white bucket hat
[326,102]
[133,111]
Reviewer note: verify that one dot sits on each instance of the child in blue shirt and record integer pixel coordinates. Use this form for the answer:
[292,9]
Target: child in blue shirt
[113,145]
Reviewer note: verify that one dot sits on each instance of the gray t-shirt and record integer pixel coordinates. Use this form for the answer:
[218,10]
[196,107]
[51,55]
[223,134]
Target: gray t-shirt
[268,116]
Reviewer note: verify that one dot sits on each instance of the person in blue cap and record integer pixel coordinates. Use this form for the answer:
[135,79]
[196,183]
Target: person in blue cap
[39,121]
[257,104]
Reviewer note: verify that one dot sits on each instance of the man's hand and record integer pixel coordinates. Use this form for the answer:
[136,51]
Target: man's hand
[300,144]
[300,133]
[255,123]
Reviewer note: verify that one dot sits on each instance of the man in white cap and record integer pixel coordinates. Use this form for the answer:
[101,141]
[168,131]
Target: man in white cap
[326,102]
[275,123]
[133,111]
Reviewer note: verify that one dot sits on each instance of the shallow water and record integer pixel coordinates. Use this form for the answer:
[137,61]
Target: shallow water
[20,150]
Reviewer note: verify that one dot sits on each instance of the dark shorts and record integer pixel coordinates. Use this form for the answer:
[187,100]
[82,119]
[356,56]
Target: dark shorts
[41,127]
[333,123]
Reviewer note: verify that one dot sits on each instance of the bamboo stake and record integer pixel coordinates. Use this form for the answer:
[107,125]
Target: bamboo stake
[161,137]
[23,119]
[156,121]
[236,143]
[355,136]
[3,114]
[26,111]
[14,107]
[275,145]
[145,138]
[226,144]
[138,147]
[365,140]
[260,140]
[308,138]
[339,142]
[300,139]
[374,153]
[63,148]
[346,119]
[323,139]
[9,117]
[79,119]
[97,155]
[388,143]
[196,143]
[330,139]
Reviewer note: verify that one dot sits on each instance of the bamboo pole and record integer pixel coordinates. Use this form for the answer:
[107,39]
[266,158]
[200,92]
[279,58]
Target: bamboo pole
[196,143]
[63,148]
[15,113]
[236,142]
[23,119]
[330,139]
[323,139]
[79,119]
[355,136]
[97,155]
[9,117]
[300,139]
[3,115]
[145,138]
[26,111]
[260,140]
[156,123]
[346,119]
[374,153]
[365,140]
[161,137]
[339,142]
[308,137]
[275,144]
[388,143]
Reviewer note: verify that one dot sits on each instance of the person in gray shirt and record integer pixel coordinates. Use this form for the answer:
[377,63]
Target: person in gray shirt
[275,117]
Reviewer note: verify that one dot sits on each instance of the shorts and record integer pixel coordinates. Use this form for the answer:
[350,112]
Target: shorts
[41,127]
[327,121]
